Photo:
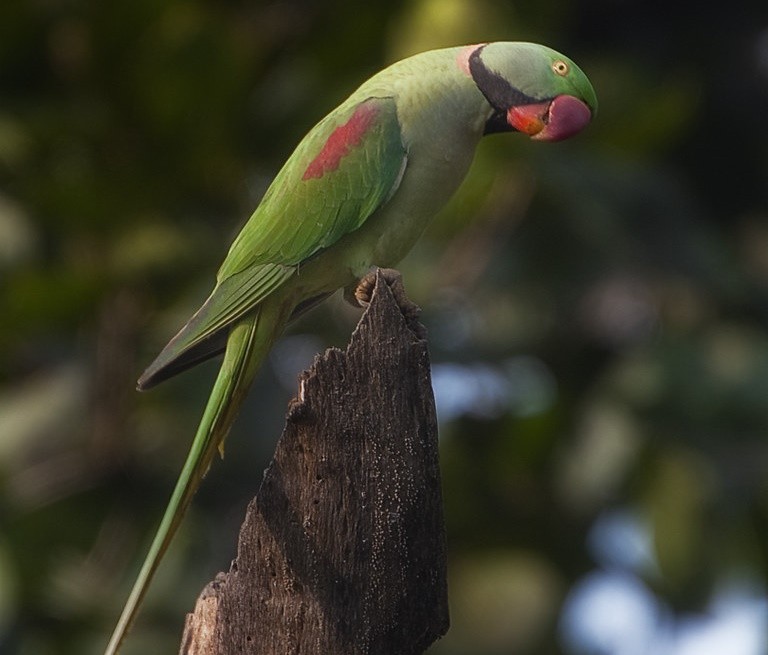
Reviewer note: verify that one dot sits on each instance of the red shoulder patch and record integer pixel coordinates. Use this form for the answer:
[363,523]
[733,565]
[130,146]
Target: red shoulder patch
[341,141]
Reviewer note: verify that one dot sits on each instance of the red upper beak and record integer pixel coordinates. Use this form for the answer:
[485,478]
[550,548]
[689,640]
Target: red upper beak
[553,120]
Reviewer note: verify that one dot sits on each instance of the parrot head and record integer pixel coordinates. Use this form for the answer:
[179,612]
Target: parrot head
[551,99]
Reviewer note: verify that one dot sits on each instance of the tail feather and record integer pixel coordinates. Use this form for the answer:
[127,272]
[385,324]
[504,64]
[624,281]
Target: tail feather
[210,347]
[247,345]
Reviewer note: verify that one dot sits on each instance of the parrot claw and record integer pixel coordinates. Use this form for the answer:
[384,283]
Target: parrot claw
[360,295]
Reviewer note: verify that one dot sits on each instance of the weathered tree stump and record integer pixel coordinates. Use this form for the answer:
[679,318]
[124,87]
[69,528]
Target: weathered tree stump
[342,551]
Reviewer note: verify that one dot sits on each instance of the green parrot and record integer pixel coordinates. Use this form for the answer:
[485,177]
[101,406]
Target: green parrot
[356,194]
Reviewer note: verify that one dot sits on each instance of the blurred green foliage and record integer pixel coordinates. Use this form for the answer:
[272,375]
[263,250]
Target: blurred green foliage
[597,308]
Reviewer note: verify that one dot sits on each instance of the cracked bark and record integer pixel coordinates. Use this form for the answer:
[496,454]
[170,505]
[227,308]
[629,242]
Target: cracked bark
[342,550]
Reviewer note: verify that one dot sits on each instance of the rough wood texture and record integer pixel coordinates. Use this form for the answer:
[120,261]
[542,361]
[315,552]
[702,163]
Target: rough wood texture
[342,551]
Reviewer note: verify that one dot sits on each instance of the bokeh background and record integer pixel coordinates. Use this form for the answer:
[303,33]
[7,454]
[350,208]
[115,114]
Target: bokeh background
[597,314]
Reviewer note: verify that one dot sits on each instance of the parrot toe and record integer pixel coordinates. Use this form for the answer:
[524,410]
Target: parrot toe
[362,293]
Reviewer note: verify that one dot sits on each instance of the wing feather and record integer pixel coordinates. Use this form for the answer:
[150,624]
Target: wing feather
[343,170]
[300,214]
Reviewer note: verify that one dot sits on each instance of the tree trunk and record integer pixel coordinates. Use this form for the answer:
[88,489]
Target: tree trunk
[342,551]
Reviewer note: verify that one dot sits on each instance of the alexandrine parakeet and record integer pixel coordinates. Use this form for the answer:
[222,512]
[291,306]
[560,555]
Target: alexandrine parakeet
[356,193]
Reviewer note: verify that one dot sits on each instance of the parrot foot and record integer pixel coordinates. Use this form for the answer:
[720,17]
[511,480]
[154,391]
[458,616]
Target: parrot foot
[361,294]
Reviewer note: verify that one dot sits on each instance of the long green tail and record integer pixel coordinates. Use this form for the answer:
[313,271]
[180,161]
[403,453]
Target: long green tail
[247,345]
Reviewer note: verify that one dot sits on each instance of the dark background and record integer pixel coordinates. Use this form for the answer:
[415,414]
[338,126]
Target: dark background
[596,310]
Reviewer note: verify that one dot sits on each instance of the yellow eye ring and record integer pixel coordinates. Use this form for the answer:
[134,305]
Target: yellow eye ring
[560,68]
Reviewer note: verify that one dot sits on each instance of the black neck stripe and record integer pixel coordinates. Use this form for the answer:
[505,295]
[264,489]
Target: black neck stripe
[497,91]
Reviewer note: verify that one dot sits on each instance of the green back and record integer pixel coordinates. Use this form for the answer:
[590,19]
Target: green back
[346,167]
[301,214]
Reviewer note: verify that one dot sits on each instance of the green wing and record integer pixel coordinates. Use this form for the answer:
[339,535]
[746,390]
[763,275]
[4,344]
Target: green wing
[343,170]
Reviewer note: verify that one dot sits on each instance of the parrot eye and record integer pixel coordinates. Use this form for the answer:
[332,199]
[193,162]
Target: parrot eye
[560,68]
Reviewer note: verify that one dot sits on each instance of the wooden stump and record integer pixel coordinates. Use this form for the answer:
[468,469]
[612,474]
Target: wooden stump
[342,551]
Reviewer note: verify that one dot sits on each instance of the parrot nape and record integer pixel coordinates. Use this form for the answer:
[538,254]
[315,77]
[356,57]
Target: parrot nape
[356,193]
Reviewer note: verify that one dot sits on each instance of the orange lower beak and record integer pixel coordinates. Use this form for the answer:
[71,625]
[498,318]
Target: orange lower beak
[553,120]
